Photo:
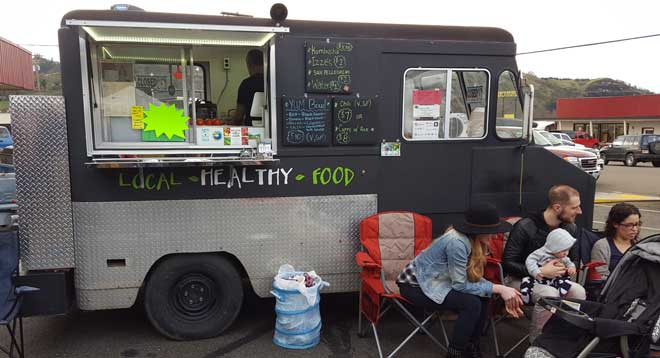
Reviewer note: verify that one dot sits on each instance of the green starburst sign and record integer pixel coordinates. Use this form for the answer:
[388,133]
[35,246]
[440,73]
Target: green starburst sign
[165,120]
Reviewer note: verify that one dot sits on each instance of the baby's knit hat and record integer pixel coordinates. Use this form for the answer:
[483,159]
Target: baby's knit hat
[559,240]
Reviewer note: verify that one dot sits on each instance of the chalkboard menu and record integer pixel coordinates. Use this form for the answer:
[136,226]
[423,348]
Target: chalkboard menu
[306,121]
[328,67]
[354,121]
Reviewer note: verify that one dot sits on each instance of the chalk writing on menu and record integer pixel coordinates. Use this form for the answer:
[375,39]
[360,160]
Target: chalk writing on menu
[307,121]
[328,67]
[354,121]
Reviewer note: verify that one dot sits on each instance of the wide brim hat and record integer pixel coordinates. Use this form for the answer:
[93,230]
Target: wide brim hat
[482,218]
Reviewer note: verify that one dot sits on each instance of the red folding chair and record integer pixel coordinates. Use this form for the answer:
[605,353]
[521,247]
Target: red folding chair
[495,274]
[390,240]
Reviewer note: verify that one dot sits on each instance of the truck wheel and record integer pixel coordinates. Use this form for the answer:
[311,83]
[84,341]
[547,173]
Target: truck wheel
[193,296]
[656,163]
[604,158]
[630,160]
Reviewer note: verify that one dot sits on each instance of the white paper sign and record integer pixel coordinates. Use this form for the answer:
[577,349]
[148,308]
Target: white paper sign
[118,98]
[426,110]
[426,129]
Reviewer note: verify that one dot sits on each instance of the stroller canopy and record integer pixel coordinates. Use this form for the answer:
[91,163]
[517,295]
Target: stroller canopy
[636,276]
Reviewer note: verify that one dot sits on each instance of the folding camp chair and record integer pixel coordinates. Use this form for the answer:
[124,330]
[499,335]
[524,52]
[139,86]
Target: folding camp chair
[390,241]
[588,276]
[495,274]
[10,296]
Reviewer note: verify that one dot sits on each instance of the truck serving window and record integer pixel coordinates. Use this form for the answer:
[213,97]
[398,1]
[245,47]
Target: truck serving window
[509,123]
[176,89]
[159,97]
[139,83]
[426,95]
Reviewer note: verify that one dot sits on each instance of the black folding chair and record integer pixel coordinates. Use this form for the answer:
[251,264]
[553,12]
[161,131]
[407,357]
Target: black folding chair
[11,296]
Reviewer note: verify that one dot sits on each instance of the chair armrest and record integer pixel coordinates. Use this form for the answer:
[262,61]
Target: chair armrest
[364,260]
[493,261]
[593,264]
[25,289]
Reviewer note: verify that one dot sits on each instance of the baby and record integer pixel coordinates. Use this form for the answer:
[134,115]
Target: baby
[557,245]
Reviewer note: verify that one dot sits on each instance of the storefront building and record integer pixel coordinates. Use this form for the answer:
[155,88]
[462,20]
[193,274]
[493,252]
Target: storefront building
[15,67]
[606,118]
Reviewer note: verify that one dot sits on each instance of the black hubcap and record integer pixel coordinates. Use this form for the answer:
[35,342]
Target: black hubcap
[193,296]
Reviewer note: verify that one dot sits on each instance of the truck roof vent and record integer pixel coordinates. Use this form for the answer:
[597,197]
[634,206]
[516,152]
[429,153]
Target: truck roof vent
[278,12]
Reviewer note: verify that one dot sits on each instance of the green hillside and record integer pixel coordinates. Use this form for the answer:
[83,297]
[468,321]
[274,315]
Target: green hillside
[548,89]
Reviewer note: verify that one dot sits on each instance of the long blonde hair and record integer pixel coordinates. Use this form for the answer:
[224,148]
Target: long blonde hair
[477,259]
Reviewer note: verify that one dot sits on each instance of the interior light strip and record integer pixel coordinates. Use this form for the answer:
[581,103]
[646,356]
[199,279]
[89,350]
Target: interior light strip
[142,58]
[183,41]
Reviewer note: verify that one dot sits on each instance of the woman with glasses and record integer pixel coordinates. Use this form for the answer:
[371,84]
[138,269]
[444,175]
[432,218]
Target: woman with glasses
[621,231]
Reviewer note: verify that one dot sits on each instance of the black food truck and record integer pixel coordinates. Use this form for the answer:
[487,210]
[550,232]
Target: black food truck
[138,187]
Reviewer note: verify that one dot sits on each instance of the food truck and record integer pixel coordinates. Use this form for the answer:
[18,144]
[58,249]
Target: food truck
[135,187]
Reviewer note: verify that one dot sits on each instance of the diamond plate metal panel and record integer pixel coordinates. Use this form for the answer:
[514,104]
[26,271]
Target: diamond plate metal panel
[319,233]
[42,181]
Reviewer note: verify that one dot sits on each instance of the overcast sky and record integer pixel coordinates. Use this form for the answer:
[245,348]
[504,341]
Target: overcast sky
[534,27]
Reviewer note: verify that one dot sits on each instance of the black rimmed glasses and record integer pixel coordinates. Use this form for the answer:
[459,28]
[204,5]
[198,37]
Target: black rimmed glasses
[632,225]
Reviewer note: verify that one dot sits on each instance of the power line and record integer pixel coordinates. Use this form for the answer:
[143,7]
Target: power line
[589,44]
[518,54]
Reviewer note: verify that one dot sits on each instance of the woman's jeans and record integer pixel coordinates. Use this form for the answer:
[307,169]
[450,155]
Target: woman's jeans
[472,312]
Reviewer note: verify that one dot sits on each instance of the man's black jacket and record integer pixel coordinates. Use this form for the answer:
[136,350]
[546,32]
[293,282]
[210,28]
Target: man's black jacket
[529,234]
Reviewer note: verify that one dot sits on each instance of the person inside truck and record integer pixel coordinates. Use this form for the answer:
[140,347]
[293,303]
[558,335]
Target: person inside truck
[448,275]
[251,85]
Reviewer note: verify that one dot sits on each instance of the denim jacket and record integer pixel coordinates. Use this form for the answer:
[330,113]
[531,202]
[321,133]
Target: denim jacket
[442,267]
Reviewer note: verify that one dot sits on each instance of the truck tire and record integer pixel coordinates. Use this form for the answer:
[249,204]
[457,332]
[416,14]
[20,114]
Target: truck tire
[630,160]
[603,156]
[654,147]
[193,296]
[656,163]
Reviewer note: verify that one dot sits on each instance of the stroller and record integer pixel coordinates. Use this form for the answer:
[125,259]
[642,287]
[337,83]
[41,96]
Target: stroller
[624,322]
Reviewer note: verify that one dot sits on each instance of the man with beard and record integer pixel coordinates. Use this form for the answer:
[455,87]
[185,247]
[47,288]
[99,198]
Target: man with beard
[530,234]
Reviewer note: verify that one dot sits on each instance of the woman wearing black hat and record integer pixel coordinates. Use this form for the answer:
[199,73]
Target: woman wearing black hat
[448,275]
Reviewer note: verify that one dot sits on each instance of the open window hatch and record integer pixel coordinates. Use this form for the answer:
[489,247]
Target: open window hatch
[172,94]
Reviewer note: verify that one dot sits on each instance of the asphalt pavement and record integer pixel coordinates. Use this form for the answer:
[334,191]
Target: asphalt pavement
[644,179]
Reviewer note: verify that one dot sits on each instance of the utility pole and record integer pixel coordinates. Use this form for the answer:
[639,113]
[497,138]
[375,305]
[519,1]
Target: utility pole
[36,68]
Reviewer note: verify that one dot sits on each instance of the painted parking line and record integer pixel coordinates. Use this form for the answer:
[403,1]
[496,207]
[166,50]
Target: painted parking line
[619,197]
[643,227]
[642,210]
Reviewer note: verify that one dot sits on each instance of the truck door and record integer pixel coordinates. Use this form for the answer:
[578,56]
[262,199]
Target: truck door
[437,112]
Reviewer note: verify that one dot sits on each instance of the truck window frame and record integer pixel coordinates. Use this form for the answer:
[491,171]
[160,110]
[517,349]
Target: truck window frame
[87,61]
[448,95]
[516,88]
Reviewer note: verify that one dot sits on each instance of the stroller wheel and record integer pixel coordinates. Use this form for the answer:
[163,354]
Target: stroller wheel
[537,352]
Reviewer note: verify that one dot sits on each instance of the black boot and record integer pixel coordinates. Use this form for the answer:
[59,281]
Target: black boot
[454,353]
[472,350]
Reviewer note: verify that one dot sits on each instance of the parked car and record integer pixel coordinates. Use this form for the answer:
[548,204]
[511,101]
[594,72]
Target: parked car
[581,138]
[632,149]
[562,136]
[8,205]
[586,140]
[5,137]
[583,159]
[566,140]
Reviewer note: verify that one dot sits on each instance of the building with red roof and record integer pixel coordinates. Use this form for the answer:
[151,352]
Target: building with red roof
[608,117]
[15,67]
